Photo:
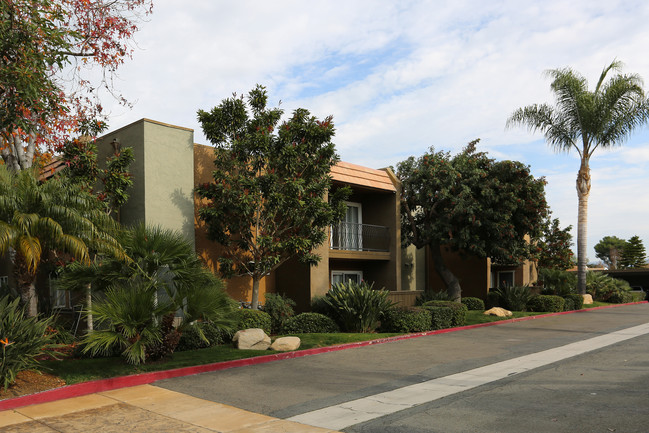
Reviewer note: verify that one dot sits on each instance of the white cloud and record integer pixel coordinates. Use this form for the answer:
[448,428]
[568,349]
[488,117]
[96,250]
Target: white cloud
[402,76]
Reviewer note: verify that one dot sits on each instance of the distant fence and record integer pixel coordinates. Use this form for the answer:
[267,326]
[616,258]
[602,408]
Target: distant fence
[405,298]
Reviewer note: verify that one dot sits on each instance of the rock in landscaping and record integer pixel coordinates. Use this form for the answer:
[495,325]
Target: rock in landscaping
[286,344]
[588,299]
[251,339]
[497,311]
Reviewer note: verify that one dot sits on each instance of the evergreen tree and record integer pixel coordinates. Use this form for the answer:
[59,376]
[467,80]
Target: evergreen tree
[634,254]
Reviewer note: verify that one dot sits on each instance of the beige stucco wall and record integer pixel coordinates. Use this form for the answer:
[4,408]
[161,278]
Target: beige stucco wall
[413,268]
[163,175]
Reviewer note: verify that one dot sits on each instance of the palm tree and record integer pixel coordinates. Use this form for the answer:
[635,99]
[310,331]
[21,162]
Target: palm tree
[40,217]
[163,277]
[585,121]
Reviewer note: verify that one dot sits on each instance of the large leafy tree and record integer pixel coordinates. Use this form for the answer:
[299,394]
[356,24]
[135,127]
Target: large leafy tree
[554,248]
[584,120]
[49,52]
[634,254]
[609,250]
[268,202]
[470,203]
[38,218]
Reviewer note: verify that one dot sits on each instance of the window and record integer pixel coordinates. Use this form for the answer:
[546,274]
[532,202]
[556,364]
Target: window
[58,298]
[505,279]
[4,280]
[345,276]
[348,235]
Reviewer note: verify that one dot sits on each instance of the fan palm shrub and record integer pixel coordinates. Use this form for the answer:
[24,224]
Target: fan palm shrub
[167,279]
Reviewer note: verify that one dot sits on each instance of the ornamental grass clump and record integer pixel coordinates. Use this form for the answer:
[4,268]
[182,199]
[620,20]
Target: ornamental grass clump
[23,341]
[357,307]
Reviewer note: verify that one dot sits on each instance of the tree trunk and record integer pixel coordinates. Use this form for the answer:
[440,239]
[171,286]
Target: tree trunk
[583,190]
[89,321]
[26,281]
[29,298]
[452,283]
[255,292]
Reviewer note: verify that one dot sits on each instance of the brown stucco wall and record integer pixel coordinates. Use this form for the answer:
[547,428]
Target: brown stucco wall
[239,288]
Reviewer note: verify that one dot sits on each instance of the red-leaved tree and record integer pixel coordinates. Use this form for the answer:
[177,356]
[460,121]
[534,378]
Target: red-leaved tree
[49,49]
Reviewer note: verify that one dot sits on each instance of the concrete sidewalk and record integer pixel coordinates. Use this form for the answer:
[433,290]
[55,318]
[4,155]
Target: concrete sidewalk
[143,408]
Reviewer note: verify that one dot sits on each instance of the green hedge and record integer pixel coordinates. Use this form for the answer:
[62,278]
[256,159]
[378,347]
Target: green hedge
[191,338]
[621,297]
[440,317]
[573,302]
[546,303]
[254,319]
[459,310]
[406,320]
[306,323]
[473,304]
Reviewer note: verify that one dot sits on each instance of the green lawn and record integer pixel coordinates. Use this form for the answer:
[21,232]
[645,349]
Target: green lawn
[82,370]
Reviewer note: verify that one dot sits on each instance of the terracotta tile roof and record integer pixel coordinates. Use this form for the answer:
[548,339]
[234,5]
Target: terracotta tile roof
[358,175]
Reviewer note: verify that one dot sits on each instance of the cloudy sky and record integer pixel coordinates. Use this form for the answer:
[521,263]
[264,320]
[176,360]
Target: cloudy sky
[401,76]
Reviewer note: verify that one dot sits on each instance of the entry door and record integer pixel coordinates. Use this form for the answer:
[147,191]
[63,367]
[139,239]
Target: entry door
[352,232]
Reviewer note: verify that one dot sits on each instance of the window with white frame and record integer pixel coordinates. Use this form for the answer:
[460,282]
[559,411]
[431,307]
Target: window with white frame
[346,276]
[58,298]
[505,279]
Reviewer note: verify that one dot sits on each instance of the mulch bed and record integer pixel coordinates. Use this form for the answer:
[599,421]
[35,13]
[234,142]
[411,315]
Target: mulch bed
[30,382]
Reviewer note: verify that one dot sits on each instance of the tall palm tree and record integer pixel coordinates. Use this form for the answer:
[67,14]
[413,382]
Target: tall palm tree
[586,120]
[40,217]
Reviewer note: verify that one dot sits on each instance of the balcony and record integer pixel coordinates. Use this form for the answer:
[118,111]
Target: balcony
[360,237]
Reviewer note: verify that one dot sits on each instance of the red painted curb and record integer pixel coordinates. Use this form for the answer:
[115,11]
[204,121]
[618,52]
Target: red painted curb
[85,388]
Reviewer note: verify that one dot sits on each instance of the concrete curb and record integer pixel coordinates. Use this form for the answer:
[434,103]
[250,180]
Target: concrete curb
[85,388]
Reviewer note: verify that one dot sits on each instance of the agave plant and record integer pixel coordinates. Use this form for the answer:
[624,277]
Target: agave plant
[514,298]
[358,308]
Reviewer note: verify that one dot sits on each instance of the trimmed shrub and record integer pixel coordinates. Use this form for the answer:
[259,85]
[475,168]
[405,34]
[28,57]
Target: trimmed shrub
[473,304]
[459,310]
[569,304]
[254,319]
[513,298]
[406,320]
[546,303]
[23,340]
[431,295]
[574,302]
[191,337]
[307,323]
[493,299]
[357,307]
[621,297]
[440,317]
[279,308]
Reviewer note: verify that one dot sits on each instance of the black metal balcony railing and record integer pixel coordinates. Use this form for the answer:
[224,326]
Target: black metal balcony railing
[360,237]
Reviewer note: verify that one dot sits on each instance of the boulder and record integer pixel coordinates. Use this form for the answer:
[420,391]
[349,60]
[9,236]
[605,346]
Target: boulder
[497,311]
[251,339]
[588,299]
[286,344]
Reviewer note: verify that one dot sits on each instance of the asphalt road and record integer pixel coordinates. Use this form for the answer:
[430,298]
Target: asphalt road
[605,390]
